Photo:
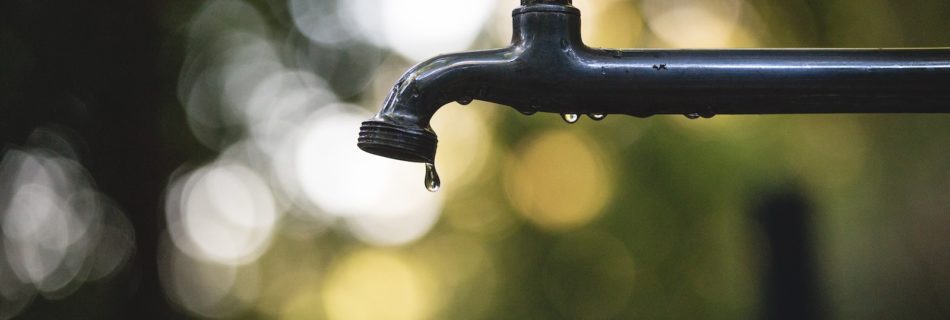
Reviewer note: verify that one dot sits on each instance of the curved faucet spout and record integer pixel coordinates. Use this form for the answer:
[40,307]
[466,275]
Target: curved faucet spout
[545,31]
[401,129]
[430,85]
[548,68]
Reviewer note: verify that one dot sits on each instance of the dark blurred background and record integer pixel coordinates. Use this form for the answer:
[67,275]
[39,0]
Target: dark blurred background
[196,159]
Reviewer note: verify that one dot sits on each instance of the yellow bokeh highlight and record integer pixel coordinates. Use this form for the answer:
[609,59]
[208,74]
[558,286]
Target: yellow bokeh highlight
[696,23]
[372,285]
[558,180]
[464,142]
[464,273]
[610,23]
[291,280]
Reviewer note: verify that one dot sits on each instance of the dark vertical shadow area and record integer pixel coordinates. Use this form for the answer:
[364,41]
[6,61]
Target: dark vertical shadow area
[791,284]
[90,68]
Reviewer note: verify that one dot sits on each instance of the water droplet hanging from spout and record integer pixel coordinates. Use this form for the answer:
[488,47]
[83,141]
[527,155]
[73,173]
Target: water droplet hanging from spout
[433,183]
[570,117]
[692,116]
[464,100]
[597,116]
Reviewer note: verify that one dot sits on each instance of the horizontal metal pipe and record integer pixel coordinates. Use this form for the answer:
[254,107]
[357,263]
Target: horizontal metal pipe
[709,82]
[548,68]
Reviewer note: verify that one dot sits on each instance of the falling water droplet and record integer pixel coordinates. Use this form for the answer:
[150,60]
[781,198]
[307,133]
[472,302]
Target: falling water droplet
[597,116]
[464,100]
[570,117]
[433,183]
[692,116]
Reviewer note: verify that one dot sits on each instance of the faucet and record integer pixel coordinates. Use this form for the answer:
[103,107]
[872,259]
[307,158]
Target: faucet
[547,68]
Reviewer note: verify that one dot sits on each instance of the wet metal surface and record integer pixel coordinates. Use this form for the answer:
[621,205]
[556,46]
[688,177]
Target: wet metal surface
[548,68]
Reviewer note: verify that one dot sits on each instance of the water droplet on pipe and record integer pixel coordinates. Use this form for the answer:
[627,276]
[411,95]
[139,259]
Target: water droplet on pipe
[570,117]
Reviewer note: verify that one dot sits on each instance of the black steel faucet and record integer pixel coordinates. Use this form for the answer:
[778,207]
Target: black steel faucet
[548,68]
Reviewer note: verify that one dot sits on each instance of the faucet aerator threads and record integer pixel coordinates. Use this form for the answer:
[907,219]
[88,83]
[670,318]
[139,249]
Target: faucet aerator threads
[398,142]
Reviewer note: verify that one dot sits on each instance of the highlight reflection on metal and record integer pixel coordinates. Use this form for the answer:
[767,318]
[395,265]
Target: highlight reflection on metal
[548,68]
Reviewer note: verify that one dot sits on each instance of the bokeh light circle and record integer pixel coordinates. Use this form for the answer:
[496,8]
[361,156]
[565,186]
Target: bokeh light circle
[419,29]
[693,23]
[559,180]
[382,201]
[368,285]
[223,213]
